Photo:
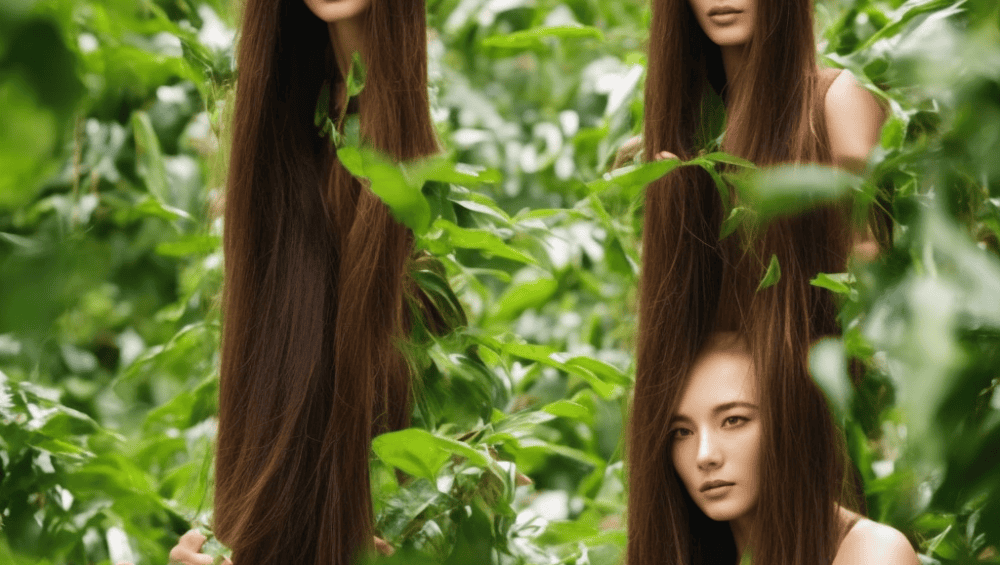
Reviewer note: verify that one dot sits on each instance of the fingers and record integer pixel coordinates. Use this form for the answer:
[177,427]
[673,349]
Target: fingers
[382,547]
[186,550]
[664,155]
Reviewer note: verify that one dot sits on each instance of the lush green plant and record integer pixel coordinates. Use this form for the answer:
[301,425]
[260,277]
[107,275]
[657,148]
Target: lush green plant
[115,115]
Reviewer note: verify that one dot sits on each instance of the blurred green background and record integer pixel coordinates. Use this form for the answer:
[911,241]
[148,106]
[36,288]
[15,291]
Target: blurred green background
[113,144]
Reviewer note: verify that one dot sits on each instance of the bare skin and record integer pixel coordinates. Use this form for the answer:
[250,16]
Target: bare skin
[871,542]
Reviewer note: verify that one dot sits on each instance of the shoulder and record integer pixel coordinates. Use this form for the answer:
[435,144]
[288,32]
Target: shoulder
[871,542]
[853,120]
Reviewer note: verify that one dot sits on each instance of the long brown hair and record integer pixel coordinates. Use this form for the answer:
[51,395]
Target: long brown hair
[316,272]
[692,284]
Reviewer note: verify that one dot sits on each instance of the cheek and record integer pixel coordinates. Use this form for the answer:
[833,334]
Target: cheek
[748,446]
[683,458]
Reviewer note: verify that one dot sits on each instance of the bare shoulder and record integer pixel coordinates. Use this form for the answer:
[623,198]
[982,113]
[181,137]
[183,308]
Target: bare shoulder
[871,542]
[854,119]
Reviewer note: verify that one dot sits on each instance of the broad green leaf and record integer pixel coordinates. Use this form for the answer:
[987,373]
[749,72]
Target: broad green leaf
[634,178]
[408,204]
[421,453]
[481,239]
[790,189]
[567,409]
[518,298]
[413,451]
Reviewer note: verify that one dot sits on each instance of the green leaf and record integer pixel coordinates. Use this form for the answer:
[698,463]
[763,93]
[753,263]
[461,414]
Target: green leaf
[790,189]
[412,451]
[406,201]
[189,245]
[837,282]
[773,274]
[634,178]
[534,38]
[356,76]
[322,114]
[518,298]
[601,369]
[726,158]
[483,240]
[737,216]
[567,409]
[828,366]
[149,156]
[436,289]
[422,454]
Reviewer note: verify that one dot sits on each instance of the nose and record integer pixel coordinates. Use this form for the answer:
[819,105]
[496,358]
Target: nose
[709,452]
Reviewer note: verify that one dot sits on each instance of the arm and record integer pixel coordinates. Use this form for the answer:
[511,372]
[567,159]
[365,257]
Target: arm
[854,121]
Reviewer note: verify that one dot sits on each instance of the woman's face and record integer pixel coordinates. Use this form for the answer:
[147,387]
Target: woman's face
[726,22]
[715,435]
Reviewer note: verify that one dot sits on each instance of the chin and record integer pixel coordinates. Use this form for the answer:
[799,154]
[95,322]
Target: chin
[730,37]
[724,511]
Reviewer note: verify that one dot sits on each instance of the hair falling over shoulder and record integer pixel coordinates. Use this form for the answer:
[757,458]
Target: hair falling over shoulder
[693,284]
[316,272]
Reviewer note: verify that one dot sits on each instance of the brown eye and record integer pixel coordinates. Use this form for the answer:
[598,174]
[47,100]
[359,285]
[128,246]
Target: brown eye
[734,421]
[679,433]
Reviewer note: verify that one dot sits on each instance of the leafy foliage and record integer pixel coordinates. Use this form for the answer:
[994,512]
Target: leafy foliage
[113,147]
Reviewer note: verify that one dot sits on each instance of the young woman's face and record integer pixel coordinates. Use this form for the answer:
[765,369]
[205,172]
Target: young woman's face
[715,435]
[726,22]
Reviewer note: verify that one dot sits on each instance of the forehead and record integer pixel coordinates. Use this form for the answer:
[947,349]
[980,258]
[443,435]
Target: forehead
[718,377]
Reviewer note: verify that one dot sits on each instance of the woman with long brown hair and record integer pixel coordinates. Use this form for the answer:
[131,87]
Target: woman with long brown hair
[723,460]
[760,56]
[316,284]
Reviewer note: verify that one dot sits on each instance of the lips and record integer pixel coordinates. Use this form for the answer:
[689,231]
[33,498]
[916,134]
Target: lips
[723,10]
[714,484]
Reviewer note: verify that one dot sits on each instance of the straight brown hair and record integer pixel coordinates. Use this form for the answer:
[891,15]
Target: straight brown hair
[692,284]
[316,277]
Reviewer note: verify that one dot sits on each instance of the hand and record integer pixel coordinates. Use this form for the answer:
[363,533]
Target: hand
[664,155]
[187,550]
[383,546]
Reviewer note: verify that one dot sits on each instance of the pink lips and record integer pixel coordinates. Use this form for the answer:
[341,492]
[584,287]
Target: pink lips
[714,484]
[723,10]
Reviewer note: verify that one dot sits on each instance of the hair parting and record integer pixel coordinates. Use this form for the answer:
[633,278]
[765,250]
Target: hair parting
[316,278]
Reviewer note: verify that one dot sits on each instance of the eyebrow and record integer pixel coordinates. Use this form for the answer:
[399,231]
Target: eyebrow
[717,410]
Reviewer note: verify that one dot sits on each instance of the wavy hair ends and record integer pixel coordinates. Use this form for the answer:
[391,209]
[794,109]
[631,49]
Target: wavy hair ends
[693,284]
[313,297]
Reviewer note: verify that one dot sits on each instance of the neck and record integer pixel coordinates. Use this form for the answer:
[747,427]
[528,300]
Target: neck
[346,36]
[741,528]
[733,60]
